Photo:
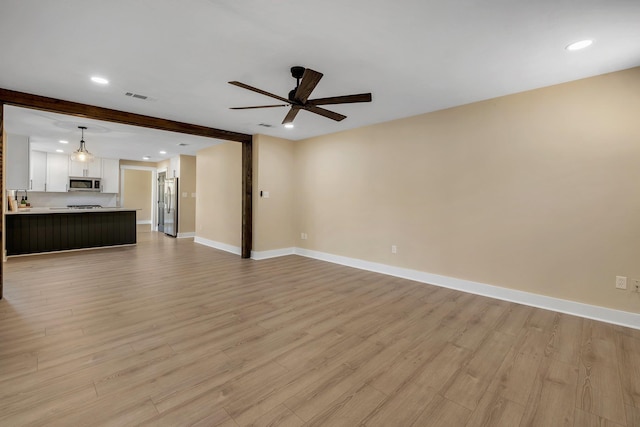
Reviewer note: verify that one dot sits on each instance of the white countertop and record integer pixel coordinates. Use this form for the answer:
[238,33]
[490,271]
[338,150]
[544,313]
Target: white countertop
[36,210]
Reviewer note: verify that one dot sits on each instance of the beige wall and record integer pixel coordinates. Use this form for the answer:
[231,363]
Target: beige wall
[273,172]
[219,184]
[164,165]
[124,162]
[137,193]
[187,209]
[538,191]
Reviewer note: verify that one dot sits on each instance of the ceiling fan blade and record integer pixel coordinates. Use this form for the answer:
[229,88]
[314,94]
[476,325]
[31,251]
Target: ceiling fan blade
[293,112]
[309,81]
[346,99]
[258,106]
[326,113]
[260,91]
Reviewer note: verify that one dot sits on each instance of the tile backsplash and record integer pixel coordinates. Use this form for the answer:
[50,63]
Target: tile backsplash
[48,200]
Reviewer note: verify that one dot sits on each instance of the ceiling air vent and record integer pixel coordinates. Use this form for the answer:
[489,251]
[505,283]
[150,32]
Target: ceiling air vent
[136,95]
[266,125]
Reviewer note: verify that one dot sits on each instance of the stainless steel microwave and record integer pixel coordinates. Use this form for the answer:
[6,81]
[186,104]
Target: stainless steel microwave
[84,183]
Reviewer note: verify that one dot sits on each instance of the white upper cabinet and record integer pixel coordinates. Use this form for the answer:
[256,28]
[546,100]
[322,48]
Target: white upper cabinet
[57,172]
[17,152]
[38,171]
[51,171]
[48,171]
[90,169]
[110,175]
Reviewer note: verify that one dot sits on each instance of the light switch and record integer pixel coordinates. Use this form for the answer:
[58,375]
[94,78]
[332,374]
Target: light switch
[193,195]
[265,194]
[184,194]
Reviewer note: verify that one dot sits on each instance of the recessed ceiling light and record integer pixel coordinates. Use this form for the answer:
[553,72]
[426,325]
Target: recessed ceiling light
[146,158]
[59,151]
[62,141]
[289,125]
[579,45]
[163,152]
[100,80]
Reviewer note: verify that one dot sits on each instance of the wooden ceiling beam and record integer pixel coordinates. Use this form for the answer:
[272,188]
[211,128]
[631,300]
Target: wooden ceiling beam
[37,102]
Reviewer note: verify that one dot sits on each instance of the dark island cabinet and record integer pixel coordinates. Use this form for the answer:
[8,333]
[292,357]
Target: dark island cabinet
[49,232]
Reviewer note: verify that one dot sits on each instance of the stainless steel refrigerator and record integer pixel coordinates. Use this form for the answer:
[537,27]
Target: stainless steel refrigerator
[170,225]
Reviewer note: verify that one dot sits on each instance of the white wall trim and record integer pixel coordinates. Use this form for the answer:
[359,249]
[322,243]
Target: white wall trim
[218,245]
[274,253]
[186,235]
[143,221]
[603,314]
[609,315]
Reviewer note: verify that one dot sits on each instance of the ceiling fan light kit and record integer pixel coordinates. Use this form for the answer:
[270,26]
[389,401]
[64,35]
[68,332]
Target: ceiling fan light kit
[306,81]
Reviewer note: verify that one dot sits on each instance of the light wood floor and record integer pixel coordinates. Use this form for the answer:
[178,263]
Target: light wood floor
[173,333]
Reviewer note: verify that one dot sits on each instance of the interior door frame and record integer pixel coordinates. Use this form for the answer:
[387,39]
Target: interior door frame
[54,105]
[154,190]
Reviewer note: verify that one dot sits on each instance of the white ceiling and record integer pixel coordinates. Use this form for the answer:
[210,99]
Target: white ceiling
[415,56]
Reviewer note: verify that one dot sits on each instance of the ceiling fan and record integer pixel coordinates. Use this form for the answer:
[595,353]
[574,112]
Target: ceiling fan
[307,79]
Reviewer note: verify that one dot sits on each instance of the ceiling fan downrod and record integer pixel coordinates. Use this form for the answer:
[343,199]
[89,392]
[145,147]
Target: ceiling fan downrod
[297,72]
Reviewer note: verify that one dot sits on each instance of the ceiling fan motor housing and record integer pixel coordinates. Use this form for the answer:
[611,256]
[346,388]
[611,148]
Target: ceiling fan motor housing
[297,72]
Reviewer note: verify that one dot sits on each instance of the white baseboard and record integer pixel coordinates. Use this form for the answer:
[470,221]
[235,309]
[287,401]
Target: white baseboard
[260,255]
[185,235]
[218,245]
[609,315]
[143,221]
[255,255]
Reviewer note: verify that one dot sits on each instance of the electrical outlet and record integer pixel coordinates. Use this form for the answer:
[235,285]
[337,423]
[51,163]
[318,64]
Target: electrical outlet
[394,249]
[621,282]
[303,236]
[636,285]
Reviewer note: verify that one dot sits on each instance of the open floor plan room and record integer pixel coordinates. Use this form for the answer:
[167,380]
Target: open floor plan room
[114,337]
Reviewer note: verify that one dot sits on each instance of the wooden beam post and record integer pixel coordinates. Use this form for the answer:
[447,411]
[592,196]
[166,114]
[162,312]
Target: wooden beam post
[3,194]
[247,198]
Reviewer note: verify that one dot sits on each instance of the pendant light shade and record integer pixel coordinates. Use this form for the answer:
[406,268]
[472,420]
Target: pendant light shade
[81,154]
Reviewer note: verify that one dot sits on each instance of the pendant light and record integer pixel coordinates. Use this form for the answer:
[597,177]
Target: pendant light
[81,154]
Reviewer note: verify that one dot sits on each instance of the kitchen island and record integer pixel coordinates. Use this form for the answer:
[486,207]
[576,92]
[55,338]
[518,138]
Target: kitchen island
[39,230]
